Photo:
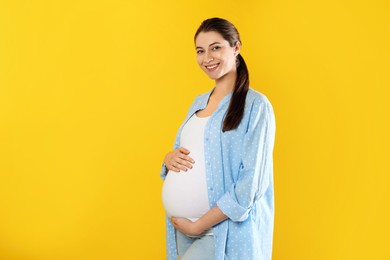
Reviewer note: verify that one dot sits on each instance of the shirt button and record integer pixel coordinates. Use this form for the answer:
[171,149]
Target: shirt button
[211,189]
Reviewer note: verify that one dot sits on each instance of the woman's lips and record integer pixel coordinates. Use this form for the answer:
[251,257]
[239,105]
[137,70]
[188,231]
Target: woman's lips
[212,67]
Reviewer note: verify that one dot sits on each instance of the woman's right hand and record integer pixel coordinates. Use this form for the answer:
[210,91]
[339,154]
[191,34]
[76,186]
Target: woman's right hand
[178,160]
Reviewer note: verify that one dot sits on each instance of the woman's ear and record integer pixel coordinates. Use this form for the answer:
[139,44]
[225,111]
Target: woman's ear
[237,48]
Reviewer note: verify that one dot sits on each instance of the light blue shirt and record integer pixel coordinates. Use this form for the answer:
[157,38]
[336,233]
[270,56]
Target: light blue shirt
[239,175]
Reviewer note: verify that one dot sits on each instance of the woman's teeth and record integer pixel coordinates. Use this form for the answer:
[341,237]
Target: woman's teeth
[212,67]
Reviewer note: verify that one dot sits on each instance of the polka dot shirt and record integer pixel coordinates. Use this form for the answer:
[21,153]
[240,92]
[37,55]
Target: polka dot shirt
[239,175]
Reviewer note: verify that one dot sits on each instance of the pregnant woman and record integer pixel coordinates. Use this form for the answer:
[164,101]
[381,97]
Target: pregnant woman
[218,181]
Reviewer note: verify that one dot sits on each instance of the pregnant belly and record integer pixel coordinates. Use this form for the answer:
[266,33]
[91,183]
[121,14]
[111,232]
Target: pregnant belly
[184,194]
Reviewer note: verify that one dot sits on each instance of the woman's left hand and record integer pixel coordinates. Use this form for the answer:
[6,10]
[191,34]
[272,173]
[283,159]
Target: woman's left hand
[186,226]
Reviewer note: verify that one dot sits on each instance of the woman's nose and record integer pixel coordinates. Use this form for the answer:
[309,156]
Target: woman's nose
[208,58]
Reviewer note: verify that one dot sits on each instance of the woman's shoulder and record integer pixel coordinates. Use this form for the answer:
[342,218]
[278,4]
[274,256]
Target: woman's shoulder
[256,97]
[259,106]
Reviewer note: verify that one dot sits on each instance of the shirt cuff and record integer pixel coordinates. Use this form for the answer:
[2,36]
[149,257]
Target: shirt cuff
[164,171]
[232,209]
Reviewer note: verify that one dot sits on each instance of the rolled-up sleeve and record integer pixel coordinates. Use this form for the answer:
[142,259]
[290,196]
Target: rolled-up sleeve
[256,163]
[164,171]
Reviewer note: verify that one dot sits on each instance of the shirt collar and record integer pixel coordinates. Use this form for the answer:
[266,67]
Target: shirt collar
[206,98]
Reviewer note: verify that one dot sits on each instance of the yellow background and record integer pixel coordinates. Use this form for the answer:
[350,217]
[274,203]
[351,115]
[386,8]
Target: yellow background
[93,92]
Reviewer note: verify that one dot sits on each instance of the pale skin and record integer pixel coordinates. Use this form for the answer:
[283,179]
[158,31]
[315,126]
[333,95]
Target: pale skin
[211,49]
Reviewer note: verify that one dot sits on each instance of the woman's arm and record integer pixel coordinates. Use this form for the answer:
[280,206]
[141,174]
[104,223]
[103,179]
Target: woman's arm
[211,218]
[256,170]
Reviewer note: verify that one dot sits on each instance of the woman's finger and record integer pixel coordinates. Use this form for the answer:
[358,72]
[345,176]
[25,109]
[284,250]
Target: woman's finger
[172,167]
[183,150]
[178,164]
[184,163]
[187,158]
[181,167]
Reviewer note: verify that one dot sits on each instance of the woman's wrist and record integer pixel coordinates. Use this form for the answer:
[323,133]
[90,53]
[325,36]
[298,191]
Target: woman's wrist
[208,220]
[199,227]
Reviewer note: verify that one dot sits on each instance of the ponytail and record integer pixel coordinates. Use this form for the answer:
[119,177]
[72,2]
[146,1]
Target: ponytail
[236,107]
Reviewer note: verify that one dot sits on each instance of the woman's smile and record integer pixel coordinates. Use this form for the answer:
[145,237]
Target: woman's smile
[213,67]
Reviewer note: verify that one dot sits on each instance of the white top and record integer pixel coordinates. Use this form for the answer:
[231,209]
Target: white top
[184,193]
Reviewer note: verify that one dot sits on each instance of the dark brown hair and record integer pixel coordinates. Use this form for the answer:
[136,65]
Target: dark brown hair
[237,102]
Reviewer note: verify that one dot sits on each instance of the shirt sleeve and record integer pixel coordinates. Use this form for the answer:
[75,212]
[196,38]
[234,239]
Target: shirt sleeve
[256,164]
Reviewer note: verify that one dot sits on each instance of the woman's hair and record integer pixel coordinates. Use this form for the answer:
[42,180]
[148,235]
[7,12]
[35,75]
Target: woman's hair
[237,103]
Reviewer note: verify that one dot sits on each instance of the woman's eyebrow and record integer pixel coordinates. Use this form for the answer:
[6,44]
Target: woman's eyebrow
[209,45]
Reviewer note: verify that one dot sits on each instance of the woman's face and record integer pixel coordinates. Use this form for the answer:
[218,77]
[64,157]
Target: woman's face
[214,54]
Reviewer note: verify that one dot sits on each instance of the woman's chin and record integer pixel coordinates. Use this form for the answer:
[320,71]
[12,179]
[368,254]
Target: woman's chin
[213,77]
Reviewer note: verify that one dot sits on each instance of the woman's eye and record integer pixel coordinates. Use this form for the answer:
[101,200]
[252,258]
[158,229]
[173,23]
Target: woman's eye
[199,51]
[216,48]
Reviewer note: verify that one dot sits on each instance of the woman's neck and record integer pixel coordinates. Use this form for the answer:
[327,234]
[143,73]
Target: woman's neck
[225,85]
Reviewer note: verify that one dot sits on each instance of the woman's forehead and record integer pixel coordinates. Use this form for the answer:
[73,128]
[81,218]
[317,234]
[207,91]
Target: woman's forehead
[204,39]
